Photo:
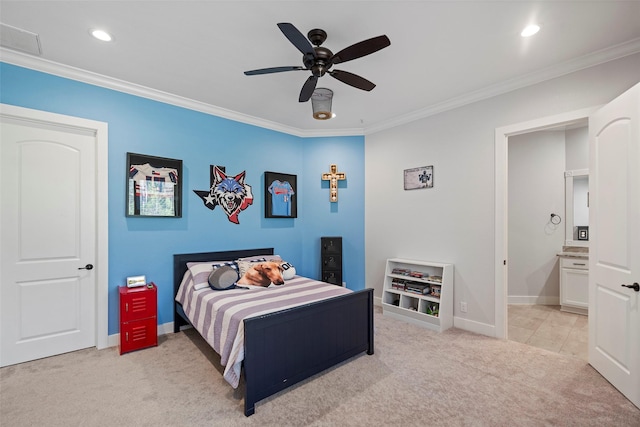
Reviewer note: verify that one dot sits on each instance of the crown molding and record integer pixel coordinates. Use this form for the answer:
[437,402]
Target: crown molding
[50,67]
[600,57]
[39,64]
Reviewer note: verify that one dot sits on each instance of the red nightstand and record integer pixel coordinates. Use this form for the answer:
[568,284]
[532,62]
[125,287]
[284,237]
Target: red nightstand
[138,318]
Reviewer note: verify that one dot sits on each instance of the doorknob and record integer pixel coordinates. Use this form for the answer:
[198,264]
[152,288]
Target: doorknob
[635,287]
[90,267]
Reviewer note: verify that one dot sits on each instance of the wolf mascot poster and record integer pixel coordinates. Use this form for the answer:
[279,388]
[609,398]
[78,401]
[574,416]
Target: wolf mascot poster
[228,192]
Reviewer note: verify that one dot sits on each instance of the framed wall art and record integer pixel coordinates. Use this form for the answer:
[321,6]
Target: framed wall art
[230,192]
[154,186]
[280,195]
[421,177]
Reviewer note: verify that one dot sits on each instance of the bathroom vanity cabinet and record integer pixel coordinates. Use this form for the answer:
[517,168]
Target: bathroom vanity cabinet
[574,284]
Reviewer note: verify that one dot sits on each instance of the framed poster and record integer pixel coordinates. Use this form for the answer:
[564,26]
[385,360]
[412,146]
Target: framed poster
[230,192]
[280,195]
[154,186]
[421,177]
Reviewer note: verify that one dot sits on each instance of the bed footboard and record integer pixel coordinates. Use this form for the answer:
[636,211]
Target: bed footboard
[284,348]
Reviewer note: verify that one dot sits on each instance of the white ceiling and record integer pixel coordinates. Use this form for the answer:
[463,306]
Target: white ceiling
[442,54]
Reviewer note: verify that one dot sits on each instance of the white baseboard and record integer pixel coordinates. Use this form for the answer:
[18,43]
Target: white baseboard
[533,299]
[165,328]
[473,326]
[460,323]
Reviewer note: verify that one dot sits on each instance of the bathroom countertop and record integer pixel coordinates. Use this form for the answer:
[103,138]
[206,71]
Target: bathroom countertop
[581,255]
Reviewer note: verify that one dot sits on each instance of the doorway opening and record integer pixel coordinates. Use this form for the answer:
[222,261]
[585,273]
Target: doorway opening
[502,137]
[541,289]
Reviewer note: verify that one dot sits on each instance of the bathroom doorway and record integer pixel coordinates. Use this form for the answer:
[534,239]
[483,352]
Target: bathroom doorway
[537,222]
[538,307]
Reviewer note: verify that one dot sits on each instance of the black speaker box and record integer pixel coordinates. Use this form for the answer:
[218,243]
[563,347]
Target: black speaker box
[331,260]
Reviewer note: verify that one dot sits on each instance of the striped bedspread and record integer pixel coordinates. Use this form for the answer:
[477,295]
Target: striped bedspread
[218,315]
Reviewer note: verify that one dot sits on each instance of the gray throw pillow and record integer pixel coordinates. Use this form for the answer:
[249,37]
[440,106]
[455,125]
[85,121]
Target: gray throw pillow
[223,278]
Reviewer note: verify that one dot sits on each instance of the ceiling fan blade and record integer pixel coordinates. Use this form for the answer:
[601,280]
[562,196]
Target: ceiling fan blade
[352,80]
[308,88]
[272,70]
[361,49]
[297,38]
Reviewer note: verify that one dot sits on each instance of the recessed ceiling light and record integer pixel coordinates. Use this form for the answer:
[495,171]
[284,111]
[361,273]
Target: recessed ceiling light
[101,35]
[530,30]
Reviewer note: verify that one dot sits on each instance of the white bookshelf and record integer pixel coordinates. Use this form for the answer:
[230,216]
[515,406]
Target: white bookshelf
[411,289]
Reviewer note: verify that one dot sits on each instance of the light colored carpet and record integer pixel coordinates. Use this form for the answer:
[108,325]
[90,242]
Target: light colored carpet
[416,377]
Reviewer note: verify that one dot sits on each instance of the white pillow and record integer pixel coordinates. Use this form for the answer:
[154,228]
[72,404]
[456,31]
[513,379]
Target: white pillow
[200,272]
[288,270]
[244,265]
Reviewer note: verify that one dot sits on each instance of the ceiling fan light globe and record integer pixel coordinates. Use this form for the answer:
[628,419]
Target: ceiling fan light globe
[321,103]
[322,115]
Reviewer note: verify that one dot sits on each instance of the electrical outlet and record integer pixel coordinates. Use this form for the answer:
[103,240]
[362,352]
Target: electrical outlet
[463,307]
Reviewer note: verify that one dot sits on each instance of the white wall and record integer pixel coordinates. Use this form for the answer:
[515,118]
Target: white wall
[536,190]
[577,148]
[454,221]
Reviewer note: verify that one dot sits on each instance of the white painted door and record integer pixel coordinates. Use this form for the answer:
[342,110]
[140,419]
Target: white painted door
[614,234]
[48,235]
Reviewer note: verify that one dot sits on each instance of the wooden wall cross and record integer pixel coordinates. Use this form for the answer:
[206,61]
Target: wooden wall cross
[333,178]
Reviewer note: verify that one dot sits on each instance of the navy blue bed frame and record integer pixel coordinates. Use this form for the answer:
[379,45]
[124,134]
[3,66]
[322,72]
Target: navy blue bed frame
[288,346]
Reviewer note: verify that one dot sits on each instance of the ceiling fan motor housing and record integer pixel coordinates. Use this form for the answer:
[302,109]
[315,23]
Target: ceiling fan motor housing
[321,63]
[317,36]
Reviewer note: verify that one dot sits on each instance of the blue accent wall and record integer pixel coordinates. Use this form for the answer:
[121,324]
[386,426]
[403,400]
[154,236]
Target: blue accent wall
[146,245]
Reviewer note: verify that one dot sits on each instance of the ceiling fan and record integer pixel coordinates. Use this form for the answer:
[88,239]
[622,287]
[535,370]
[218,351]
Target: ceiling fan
[319,60]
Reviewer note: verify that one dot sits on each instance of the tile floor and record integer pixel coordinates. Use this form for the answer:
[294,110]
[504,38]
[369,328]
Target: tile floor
[545,326]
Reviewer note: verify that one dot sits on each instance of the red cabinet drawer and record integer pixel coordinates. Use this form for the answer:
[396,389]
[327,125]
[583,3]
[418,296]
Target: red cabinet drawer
[138,318]
[138,334]
[137,303]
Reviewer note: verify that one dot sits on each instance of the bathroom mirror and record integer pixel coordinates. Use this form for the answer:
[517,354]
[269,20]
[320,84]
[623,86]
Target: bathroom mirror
[576,207]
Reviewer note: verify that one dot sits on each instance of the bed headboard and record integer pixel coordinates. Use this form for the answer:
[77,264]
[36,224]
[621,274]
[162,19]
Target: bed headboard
[180,260]
[180,267]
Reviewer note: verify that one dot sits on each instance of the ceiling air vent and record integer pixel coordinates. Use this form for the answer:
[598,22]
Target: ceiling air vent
[17,39]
